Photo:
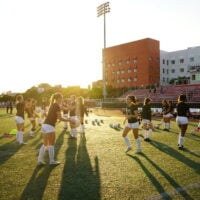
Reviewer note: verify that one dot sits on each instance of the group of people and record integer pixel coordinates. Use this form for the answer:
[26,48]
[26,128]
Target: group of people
[71,111]
[131,120]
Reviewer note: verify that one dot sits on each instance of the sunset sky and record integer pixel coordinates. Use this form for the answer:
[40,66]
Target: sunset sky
[60,41]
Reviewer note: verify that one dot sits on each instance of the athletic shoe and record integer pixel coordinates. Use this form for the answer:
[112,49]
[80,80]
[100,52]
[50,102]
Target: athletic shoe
[180,148]
[22,143]
[138,151]
[54,163]
[41,163]
[128,149]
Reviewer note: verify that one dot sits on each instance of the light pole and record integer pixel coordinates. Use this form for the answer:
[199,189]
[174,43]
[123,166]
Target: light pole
[102,10]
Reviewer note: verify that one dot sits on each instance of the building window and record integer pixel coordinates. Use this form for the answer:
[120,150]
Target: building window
[120,62]
[163,61]
[128,61]
[173,71]
[134,60]
[181,60]
[108,65]
[172,62]
[191,59]
[197,77]
[129,71]
[167,62]
[163,70]
[113,64]
[122,71]
[167,71]
[129,79]
[135,70]
[181,69]
[193,77]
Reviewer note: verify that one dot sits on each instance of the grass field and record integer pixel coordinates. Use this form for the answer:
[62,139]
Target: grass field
[95,167]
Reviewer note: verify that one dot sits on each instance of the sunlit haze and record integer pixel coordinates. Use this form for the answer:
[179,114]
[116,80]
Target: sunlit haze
[60,42]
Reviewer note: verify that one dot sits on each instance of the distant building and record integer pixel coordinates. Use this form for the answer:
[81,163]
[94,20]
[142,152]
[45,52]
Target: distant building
[134,64]
[97,84]
[180,67]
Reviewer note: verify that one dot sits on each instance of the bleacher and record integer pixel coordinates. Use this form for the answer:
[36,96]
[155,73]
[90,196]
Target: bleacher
[169,93]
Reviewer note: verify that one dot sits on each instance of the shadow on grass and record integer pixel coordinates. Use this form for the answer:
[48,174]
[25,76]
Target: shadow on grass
[151,177]
[35,188]
[175,154]
[8,150]
[169,179]
[79,179]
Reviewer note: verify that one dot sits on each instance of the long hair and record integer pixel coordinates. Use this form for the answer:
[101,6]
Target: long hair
[147,100]
[54,97]
[182,98]
[132,98]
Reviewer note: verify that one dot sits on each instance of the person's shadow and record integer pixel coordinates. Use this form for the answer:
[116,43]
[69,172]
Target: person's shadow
[79,180]
[35,188]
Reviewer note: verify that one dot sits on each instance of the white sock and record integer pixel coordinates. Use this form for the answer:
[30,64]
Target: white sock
[51,153]
[181,141]
[149,133]
[179,138]
[127,141]
[17,136]
[65,125]
[82,128]
[41,153]
[144,133]
[138,143]
[21,137]
[167,125]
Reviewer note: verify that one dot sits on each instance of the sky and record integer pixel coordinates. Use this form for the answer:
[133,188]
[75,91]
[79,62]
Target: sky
[60,42]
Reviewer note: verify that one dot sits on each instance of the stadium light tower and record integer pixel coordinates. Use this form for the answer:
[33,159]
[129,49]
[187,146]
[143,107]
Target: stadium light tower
[102,10]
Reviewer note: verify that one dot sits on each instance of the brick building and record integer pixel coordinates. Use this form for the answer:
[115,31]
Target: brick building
[134,64]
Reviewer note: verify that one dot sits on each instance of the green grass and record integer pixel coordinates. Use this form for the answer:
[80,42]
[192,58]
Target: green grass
[95,166]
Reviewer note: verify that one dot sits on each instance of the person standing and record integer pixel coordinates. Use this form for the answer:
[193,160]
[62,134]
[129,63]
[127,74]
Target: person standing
[19,119]
[30,110]
[146,120]
[74,123]
[131,123]
[81,112]
[48,129]
[183,112]
[166,115]
[65,109]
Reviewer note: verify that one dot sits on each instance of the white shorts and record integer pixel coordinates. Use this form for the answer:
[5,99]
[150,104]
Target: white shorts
[168,115]
[146,121]
[181,120]
[65,115]
[42,112]
[75,120]
[19,120]
[133,125]
[31,119]
[46,128]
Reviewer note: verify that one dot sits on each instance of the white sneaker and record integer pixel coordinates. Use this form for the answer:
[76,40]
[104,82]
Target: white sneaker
[54,163]
[41,163]
[138,151]
[128,149]
[22,143]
